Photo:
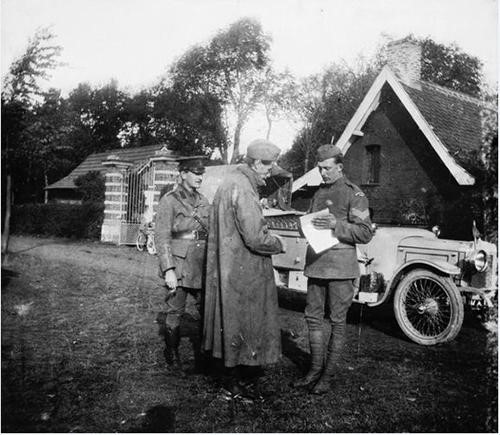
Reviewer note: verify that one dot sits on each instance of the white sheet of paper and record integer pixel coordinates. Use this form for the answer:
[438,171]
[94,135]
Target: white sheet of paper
[320,240]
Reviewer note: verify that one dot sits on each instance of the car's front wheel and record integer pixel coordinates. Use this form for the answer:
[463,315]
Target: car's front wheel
[428,307]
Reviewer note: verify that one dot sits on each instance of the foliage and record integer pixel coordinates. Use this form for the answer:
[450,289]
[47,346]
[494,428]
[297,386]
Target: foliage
[324,104]
[189,122]
[278,96]
[31,126]
[230,69]
[451,67]
[91,186]
[97,117]
[22,83]
[82,221]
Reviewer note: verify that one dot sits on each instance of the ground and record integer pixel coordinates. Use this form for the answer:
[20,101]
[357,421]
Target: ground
[81,353]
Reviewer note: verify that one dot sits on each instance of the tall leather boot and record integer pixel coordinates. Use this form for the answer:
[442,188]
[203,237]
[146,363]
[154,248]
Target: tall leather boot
[317,357]
[335,346]
[171,352]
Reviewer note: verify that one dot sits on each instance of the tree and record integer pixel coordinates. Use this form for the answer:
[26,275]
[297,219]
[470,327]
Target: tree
[231,69]
[189,122]
[451,67]
[324,104]
[278,96]
[22,82]
[21,87]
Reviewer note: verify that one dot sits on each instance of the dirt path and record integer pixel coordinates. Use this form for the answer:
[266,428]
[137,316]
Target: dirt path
[81,353]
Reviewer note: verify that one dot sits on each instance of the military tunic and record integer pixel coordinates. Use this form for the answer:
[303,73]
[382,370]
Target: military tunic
[180,235]
[349,205]
[241,303]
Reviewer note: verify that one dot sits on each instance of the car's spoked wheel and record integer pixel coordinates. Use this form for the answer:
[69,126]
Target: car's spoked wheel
[428,307]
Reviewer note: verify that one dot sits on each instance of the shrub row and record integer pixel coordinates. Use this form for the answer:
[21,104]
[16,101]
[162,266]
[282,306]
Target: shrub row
[82,221]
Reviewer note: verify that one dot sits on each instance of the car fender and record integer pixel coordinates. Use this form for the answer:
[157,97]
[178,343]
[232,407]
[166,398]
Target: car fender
[440,266]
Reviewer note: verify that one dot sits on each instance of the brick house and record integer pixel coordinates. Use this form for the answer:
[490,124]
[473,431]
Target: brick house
[412,147]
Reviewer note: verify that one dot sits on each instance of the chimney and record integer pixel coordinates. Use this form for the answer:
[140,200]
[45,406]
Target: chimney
[404,59]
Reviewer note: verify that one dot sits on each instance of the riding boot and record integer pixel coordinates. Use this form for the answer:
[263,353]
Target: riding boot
[317,357]
[335,346]
[171,352]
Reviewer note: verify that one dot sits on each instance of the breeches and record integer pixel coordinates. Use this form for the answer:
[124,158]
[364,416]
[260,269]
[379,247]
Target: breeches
[338,293]
[176,305]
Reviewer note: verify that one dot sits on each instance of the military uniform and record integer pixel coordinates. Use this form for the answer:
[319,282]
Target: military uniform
[331,273]
[180,236]
[349,205]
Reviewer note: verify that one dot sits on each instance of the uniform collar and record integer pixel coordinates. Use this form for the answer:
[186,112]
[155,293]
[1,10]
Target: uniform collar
[335,183]
[193,195]
[252,176]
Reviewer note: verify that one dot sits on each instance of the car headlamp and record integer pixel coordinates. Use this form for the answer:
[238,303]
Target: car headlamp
[480,261]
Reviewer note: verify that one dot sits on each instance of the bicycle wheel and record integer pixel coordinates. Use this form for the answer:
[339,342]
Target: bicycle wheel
[140,242]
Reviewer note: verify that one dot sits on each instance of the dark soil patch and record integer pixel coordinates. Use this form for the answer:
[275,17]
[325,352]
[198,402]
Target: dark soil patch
[81,352]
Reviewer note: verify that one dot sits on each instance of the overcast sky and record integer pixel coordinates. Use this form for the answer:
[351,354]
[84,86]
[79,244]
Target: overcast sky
[134,41]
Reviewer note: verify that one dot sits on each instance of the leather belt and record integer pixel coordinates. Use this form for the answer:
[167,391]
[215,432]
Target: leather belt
[190,235]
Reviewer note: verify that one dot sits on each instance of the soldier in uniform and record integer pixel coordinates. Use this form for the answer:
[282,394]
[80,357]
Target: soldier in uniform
[181,234]
[331,273]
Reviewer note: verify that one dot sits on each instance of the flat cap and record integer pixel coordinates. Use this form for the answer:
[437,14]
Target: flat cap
[261,149]
[194,164]
[328,151]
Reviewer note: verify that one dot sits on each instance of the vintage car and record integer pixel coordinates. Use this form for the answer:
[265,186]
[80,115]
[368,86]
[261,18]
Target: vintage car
[427,279]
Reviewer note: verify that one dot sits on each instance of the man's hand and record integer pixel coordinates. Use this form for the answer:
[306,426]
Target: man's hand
[326,222]
[171,280]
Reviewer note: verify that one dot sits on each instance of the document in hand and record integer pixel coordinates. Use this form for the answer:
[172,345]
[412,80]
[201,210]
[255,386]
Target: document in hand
[320,240]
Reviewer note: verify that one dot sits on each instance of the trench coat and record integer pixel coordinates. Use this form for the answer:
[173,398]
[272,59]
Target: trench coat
[241,323]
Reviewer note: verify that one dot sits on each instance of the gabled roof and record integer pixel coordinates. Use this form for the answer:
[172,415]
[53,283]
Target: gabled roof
[451,121]
[454,117]
[94,163]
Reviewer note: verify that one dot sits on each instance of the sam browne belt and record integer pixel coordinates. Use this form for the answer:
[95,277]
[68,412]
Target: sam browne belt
[190,235]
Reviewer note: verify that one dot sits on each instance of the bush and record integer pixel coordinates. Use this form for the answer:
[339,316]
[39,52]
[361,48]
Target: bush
[91,186]
[82,221]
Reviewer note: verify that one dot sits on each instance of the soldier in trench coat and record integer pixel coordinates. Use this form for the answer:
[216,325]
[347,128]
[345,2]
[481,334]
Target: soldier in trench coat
[241,324]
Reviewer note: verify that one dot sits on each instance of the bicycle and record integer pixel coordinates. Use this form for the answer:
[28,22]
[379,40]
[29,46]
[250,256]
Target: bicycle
[146,239]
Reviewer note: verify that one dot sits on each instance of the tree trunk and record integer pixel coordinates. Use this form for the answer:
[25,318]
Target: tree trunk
[6,227]
[236,149]
[269,125]
[46,192]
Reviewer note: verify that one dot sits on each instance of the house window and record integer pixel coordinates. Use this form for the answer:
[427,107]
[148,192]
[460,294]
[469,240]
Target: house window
[373,166]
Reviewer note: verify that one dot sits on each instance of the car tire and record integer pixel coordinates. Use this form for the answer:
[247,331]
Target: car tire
[428,307]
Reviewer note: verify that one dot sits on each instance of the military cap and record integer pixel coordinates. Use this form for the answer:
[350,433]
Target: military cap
[261,149]
[328,151]
[194,164]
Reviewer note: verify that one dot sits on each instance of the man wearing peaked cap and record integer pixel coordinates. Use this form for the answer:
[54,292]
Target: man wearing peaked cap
[241,324]
[181,232]
[330,273]
[195,164]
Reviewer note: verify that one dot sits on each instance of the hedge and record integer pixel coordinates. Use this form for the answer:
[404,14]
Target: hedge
[82,221]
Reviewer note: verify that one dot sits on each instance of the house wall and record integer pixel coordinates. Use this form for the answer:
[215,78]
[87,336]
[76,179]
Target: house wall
[415,187]
[403,182]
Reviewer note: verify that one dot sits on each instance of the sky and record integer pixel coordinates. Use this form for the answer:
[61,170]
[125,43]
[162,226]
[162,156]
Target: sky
[135,41]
